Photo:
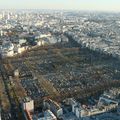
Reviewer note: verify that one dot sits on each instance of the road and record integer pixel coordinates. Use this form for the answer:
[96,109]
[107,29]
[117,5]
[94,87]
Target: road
[13,107]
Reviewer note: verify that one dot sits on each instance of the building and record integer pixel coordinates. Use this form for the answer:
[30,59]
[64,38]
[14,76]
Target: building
[7,49]
[31,114]
[28,104]
[54,107]
[47,115]
[107,102]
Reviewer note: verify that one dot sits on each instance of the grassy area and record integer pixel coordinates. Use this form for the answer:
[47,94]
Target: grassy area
[69,71]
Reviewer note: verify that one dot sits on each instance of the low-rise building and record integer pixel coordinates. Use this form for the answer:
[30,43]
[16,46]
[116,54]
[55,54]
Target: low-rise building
[47,115]
[54,107]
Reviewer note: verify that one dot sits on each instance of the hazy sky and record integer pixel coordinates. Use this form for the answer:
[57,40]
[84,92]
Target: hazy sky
[105,5]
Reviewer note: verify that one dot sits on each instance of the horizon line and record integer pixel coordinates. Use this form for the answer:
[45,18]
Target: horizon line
[53,9]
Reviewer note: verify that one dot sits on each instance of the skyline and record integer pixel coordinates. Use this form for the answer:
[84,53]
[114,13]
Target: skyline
[92,5]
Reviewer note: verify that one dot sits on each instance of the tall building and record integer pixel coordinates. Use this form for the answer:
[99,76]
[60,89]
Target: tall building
[28,104]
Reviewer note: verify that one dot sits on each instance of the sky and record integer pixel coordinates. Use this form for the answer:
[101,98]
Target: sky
[99,5]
